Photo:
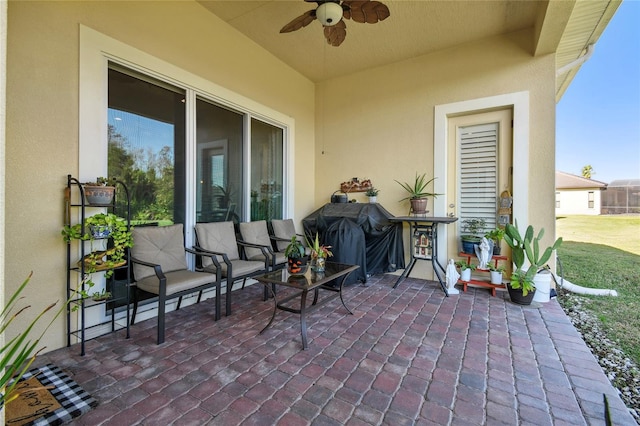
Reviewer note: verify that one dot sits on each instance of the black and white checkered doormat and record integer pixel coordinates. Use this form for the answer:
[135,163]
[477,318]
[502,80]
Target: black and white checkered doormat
[74,400]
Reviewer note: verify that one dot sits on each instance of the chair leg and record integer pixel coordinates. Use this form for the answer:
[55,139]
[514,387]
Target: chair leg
[228,298]
[179,302]
[199,296]
[218,304]
[135,306]
[161,312]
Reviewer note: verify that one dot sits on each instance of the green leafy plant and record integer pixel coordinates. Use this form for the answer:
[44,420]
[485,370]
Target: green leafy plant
[472,229]
[463,265]
[102,181]
[418,189]
[19,352]
[101,295]
[527,246]
[118,233]
[492,267]
[294,248]
[496,235]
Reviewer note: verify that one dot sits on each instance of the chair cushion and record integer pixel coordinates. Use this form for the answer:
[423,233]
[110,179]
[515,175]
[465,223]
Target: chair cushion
[283,229]
[255,233]
[163,245]
[177,281]
[239,267]
[220,237]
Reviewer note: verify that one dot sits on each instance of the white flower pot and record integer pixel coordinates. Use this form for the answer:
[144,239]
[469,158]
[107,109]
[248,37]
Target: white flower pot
[465,275]
[542,281]
[496,277]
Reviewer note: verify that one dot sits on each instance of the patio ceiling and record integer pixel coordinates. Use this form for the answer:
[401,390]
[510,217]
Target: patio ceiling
[417,28]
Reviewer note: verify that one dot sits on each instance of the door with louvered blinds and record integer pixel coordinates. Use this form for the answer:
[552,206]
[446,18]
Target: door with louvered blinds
[478,173]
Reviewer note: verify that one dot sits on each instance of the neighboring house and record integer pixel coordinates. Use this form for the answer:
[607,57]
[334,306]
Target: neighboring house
[245,110]
[578,195]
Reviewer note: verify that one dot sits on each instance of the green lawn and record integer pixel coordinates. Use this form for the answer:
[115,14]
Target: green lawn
[604,252]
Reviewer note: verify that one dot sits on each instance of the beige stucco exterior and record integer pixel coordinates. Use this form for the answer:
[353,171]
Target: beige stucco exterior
[377,124]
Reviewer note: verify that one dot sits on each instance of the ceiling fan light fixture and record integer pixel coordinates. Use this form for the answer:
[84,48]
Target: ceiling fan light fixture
[329,13]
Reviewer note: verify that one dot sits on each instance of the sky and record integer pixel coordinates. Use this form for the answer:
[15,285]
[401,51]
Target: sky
[598,117]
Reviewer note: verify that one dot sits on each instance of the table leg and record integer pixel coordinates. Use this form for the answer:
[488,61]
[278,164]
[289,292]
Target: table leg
[406,272]
[341,298]
[303,319]
[275,307]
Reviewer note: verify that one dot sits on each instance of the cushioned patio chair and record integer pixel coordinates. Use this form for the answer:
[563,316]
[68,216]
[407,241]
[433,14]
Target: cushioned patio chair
[257,234]
[219,239]
[159,260]
[281,232]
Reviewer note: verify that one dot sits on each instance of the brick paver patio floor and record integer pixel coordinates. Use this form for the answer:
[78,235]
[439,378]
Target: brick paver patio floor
[408,355]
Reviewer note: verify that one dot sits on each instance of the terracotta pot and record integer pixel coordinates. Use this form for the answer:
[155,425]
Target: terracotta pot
[419,205]
[99,195]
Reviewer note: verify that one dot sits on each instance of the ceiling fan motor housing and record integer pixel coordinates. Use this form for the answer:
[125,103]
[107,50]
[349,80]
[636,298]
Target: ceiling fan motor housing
[329,13]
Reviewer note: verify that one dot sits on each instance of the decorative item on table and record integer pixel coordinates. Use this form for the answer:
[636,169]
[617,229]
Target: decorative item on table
[319,254]
[472,231]
[100,192]
[297,262]
[418,194]
[522,287]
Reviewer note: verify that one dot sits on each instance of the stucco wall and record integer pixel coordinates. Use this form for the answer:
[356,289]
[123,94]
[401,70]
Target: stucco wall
[378,124]
[42,111]
[576,201]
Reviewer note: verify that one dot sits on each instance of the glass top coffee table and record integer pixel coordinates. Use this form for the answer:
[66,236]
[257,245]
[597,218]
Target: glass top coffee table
[331,280]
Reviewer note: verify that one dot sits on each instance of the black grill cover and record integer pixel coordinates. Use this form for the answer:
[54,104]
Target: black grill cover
[360,234]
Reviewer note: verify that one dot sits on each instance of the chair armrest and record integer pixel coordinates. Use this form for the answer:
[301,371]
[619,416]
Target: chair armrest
[156,268]
[201,252]
[267,252]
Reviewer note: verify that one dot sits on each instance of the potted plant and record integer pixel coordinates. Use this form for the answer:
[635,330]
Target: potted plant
[495,273]
[102,226]
[418,193]
[319,254]
[523,286]
[496,235]
[296,259]
[372,193]
[472,231]
[465,270]
[100,192]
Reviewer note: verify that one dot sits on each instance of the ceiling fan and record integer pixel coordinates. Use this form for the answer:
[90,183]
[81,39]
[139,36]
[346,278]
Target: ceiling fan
[331,12]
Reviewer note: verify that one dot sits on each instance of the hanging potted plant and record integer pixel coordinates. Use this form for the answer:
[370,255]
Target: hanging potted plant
[522,286]
[372,193]
[297,262]
[319,254]
[100,192]
[418,194]
[472,231]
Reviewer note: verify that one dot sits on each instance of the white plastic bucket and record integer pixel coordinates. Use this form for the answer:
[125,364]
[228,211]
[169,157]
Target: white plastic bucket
[542,281]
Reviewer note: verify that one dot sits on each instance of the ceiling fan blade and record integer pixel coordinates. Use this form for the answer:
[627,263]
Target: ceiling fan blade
[335,34]
[365,11]
[300,22]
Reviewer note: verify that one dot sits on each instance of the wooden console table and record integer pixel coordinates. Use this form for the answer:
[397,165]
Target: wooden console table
[423,231]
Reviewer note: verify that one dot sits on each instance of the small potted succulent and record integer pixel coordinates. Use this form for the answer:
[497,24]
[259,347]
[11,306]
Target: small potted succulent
[495,273]
[372,193]
[297,262]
